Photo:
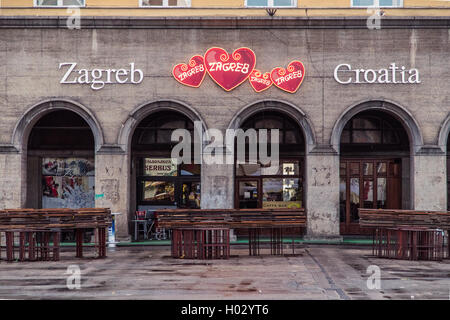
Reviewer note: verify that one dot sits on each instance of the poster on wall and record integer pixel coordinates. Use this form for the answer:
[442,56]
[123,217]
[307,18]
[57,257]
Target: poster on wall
[68,183]
[68,167]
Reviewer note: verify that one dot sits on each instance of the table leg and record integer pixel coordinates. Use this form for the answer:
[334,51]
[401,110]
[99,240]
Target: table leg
[135,231]
[22,246]
[79,243]
[56,241]
[9,245]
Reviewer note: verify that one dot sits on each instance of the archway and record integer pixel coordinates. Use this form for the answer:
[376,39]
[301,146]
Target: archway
[444,144]
[448,173]
[34,113]
[158,181]
[274,184]
[259,185]
[60,162]
[374,150]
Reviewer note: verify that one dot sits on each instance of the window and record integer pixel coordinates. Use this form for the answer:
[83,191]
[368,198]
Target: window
[281,189]
[271,3]
[165,3]
[59,3]
[377,3]
[156,131]
[160,180]
[372,130]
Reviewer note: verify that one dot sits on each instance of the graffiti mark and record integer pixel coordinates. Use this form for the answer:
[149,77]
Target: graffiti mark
[5,193]
[322,176]
[110,189]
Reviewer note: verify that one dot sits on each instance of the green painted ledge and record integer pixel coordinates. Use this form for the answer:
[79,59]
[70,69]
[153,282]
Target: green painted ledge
[349,241]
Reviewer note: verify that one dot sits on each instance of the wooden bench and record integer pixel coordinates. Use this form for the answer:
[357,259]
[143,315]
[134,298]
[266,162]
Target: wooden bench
[407,234]
[190,226]
[35,228]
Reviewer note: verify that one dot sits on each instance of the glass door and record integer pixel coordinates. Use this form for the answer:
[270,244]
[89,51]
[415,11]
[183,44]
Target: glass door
[248,194]
[190,195]
[367,183]
[161,183]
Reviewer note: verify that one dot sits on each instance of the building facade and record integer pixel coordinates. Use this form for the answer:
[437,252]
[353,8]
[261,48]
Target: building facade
[87,112]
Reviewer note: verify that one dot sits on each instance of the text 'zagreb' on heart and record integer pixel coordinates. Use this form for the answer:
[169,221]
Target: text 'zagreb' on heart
[231,70]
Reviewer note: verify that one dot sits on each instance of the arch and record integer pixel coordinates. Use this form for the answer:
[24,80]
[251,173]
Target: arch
[444,132]
[27,121]
[400,113]
[280,106]
[146,109]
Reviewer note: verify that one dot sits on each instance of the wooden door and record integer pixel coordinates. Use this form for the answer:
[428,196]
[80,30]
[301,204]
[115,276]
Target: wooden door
[367,183]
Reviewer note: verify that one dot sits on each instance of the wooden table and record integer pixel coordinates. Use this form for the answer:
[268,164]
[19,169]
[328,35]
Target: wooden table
[407,234]
[190,228]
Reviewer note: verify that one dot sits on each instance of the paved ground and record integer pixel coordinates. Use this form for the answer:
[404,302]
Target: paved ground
[315,272]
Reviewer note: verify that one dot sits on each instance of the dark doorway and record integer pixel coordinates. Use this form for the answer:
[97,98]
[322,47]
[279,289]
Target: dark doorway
[61,165]
[160,181]
[257,186]
[374,147]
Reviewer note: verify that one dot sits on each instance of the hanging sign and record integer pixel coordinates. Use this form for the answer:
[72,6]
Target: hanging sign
[289,79]
[160,167]
[259,81]
[229,71]
[191,75]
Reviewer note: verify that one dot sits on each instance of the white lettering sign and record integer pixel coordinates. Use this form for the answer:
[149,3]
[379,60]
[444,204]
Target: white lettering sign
[160,167]
[344,74]
[98,78]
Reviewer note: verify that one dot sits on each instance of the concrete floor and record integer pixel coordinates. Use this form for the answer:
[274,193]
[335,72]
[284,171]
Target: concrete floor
[314,272]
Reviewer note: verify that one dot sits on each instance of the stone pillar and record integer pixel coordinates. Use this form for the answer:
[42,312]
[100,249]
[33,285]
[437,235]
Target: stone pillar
[112,178]
[322,195]
[430,181]
[217,182]
[217,178]
[218,188]
[12,181]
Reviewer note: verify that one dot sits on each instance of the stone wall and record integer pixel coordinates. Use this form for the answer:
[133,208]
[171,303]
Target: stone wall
[29,74]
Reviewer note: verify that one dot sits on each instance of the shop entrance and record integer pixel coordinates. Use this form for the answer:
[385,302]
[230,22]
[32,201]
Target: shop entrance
[367,183]
[262,186]
[60,164]
[159,181]
[177,189]
[374,167]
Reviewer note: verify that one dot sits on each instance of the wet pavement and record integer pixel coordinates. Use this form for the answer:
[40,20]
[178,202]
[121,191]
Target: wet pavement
[147,272]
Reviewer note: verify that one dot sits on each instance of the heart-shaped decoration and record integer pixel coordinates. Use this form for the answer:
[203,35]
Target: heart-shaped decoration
[191,75]
[229,71]
[259,81]
[289,80]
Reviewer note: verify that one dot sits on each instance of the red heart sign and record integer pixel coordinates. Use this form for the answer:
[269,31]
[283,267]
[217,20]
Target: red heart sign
[259,81]
[289,80]
[191,75]
[229,71]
